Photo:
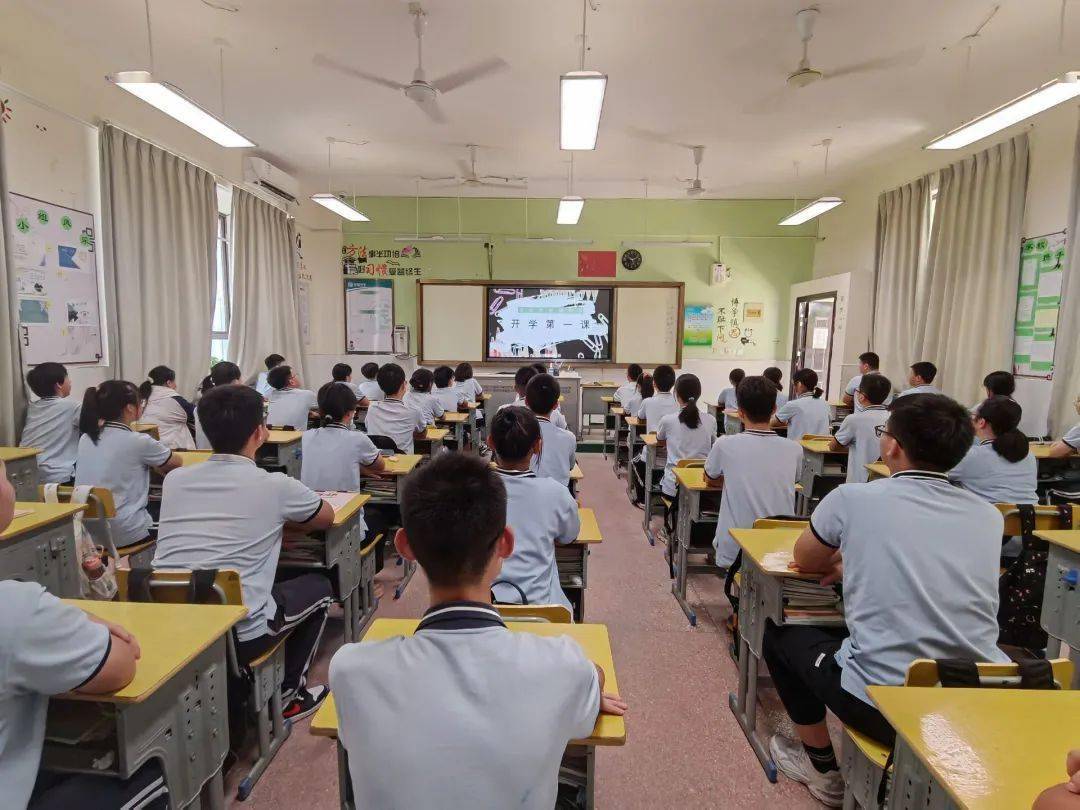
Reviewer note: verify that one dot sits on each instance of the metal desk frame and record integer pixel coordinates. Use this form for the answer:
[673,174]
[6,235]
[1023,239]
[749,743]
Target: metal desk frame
[46,555]
[689,514]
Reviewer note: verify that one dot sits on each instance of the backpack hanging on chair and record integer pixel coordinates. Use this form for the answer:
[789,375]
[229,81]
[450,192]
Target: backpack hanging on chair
[103,586]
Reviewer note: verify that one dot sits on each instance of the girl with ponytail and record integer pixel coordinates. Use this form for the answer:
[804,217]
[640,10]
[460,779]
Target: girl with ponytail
[687,433]
[999,468]
[113,456]
[335,455]
[173,415]
[806,413]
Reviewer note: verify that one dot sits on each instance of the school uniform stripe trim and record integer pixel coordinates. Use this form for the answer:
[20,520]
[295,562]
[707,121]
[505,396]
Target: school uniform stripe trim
[762,432]
[1073,446]
[924,474]
[460,616]
[515,473]
[118,425]
[145,796]
[820,539]
[99,667]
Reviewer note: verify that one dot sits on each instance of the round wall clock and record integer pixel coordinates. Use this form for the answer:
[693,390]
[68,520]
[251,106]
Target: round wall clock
[631,259]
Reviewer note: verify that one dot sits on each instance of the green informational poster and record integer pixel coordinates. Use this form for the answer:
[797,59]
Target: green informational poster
[1038,296]
[698,325]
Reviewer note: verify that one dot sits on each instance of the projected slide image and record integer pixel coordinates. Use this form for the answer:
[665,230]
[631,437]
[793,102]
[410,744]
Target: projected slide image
[568,323]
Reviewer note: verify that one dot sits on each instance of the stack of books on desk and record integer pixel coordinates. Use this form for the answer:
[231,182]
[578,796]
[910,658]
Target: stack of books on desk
[381,488]
[303,551]
[811,603]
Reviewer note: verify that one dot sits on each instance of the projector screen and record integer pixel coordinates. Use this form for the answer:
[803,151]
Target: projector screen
[569,323]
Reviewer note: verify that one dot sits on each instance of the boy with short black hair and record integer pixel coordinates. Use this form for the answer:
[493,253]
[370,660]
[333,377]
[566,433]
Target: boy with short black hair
[289,405]
[450,397]
[454,689]
[229,513]
[261,385]
[858,433]
[369,386]
[521,382]
[919,562]
[627,389]
[391,416]
[419,395]
[920,379]
[662,402]
[868,362]
[52,423]
[558,454]
[342,373]
[728,402]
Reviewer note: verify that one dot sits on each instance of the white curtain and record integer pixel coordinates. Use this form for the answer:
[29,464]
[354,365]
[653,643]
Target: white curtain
[13,407]
[159,220]
[1066,352]
[903,233]
[265,315]
[973,268]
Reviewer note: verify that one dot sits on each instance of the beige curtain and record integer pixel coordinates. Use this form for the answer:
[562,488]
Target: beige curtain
[903,233]
[973,268]
[159,218]
[265,316]
[12,407]
[1066,353]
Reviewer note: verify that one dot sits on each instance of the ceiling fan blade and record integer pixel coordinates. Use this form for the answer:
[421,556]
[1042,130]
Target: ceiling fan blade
[325,61]
[655,137]
[452,81]
[903,59]
[503,182]
[432,110]
[767,104]
[464,170]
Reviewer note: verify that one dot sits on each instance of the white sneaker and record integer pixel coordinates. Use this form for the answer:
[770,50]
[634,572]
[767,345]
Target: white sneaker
[793,762]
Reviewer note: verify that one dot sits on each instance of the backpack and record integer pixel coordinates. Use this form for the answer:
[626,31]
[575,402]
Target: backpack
[104,587]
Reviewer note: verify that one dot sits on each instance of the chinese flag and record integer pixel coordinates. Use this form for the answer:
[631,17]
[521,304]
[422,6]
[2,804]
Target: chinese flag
[596,264]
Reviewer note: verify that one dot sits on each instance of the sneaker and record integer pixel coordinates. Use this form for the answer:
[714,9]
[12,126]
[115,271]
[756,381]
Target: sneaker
[307,701]
[792,761]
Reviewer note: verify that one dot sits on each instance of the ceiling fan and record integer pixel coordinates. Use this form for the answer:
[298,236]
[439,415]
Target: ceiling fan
[469,177]
[421,91]
[695,188]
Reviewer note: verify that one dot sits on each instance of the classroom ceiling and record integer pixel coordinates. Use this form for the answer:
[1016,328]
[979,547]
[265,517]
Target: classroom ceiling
[681,72]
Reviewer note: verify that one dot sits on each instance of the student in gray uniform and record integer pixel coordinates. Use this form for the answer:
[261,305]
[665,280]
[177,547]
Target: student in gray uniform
[113,456]
[999,384]
[1070,442]
[288,405]
[757,468]
[260,382]
[686,434]
[558,453]
[52,423]
[868,362]
[727,400]
[342,373]
[808,413]
[221,373]
[419,396]
[369,386]
[776,376]
[481,715]
[468,384]
[521,382]
[627,389]
[334,455]
[642,391]
[919,562]
[229,513]
[652,410]
[540,511]
[999,467]
[858,431]
[164,407]
[390,416]
[920,379]
[446,394]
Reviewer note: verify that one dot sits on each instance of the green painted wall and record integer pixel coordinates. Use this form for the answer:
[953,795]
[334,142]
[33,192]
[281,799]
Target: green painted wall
[763,269]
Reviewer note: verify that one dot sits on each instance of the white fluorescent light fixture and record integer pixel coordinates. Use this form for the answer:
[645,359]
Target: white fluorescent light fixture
[172,102]
[1042,98]
[438,237]
[581,94]
[544,240]
[339,207]
[812,210]
[569,210]
[651,243]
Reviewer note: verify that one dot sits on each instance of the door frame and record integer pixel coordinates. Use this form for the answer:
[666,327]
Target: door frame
[808,299]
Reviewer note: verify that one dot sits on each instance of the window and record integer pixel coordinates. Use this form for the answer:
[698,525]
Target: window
[219,334]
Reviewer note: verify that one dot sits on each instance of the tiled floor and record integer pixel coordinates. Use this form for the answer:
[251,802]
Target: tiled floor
[684,748]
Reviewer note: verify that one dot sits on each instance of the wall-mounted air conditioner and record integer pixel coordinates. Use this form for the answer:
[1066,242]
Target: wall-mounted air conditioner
[266,176]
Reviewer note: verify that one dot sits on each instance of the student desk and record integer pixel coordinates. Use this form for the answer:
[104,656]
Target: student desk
[877,470]
[1055,472]
[147,428]
[40,547]
[634,427]
[978,749]
[282,452]
[432,442]
[717,414]
[387,490]
[596,398]
[455,421]
[22,471]
[761,598]
[615,414]
[190,457]
[593,638]
[817,461]
[576,476]
[840,409]
[692,511]
[654,455]
[175,709]
[572,561]
[472,421]
[1061,594]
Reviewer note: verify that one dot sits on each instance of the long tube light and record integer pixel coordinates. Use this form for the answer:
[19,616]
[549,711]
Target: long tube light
[172,102]
[1041,98]
[581,94]
[569,210]
[544,240]
[339,207]
[651,243]
[438,237]
[812,210]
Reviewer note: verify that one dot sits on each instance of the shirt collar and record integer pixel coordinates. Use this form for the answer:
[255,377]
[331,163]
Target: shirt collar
[515,473]
[336,425]
[117,425]
[985,441]
[462,615]
[761,432]
[927,474]
[230,458]
[393,399]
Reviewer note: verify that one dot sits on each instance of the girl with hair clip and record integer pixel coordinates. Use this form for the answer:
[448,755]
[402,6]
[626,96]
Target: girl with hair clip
[688,433]
[807,414]
[334,455]
[113,456]
[999,467]
[173,415]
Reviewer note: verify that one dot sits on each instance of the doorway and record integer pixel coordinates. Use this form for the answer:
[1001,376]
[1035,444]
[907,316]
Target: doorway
[815,317]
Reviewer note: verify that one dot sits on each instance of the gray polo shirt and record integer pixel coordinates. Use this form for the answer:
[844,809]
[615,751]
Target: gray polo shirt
[46,648]
[542,514]
[556,416]
[290,406]
[228,513]
[728,401]
[121,462]
[804,415]
[395,419]
[332,458]
[683,442]
[370,390]
[52,426]
[425,402]
[470,388]
[262,386]
[1072,438]
[449,398]
[851,388]
[655,408]
[624,392]
[482,715]
[201,442]
[919,389]
[760,469]
[986,474]
[858,434]
[559,452]
[921,563]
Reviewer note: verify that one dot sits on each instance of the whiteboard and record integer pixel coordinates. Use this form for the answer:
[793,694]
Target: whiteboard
[452,323]
[647,325]
[59,307]
[369,316]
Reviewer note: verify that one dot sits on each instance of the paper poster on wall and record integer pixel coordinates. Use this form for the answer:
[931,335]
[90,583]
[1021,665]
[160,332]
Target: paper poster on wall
[369,316]
[698,323]
[303,307]
[753,311]
[53,248]
[1038,296]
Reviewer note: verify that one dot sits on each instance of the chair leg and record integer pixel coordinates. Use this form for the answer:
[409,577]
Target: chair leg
[270,723]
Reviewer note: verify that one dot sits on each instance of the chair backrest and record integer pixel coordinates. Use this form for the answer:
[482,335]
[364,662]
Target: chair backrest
[171,585]
[99,504]
[556,614]
[1047,518]
[780,523]
[383,442]
[924,672]
[280,427]
[690,462]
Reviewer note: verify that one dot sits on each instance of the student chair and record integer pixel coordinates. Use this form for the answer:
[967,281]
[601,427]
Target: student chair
[100,507]
[383,442]
[265,673]
[864,762]
[280,427]
[555,614]
[669,502]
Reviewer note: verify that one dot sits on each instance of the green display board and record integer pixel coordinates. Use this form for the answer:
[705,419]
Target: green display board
[1038,296]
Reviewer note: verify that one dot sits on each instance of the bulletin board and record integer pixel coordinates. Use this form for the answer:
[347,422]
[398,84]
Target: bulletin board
[1038,297]
[369,316]
[59,307]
